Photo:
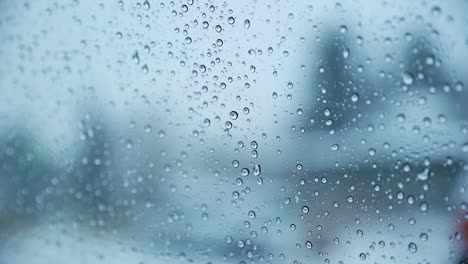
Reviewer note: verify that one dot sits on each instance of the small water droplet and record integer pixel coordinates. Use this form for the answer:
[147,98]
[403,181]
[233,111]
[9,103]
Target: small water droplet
[254,144]
[406,167]
[408,78]
[424,175]
[136,57]
[257,170]
[465,147]
[233,115]
[346,53]
[252,215]
[247,24]
[362,256]
[343,29]
[412,247]
[146,5]
[424,206]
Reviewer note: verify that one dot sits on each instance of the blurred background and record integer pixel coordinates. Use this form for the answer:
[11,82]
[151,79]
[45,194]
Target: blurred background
[233,131]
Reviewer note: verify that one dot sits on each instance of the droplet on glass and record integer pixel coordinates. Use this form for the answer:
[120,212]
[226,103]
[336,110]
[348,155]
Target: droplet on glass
[252,215]
[407,77]
[257,170]
[412,247]
[424,175]
[247,24]
[346,53]
[233,115]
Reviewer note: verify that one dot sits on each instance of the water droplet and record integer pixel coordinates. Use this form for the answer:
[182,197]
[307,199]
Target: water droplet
[254,144]
[401,118]
[346,53]
[362,256]
[423,237]
[233,115]
[430,60]
[247,24]
[406,167]
[252,215]
[424,206]
[408,78]
[231,20]
[240,244]
[354,97]
[136,57]
[436,11]
[412,247]
[343,29]
[305,209]
[299,166]
[257,170]
[424,175]
[239,182]
[360,233]
[148,128]
[465,147]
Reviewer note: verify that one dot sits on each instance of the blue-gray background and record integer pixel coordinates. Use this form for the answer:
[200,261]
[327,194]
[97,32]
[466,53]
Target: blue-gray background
[233,132]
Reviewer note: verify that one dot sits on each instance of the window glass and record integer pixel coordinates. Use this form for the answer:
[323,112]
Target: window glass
[200,131]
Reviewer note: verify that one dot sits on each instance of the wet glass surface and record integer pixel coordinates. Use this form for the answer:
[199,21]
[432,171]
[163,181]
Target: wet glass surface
[233,132]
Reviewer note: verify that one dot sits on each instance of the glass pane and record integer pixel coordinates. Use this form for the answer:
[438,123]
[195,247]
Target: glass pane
[243,132]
